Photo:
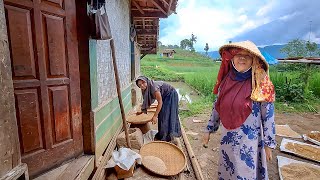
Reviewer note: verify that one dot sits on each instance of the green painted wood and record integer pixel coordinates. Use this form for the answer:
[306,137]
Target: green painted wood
[111,119]
[102,144]
[101,114]
[93,73]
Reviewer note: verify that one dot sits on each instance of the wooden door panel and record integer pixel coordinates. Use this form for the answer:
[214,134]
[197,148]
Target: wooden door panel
[29,120]
[55,45]
[57,2]
[43,46]
[22,49]
[61,114]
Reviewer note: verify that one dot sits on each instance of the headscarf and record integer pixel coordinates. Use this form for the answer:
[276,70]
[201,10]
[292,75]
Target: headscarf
[262,87]
[238,90]
[147,94]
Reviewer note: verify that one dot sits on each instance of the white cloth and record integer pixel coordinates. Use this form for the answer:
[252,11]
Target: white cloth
[124,158]
[149,136]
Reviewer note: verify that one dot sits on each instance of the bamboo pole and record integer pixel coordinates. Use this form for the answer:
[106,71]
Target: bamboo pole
[194,162]
[116,74]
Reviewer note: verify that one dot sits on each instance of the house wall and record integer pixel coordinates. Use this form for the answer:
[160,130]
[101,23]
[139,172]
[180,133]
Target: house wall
[9,142]
[135,57]
[104,101]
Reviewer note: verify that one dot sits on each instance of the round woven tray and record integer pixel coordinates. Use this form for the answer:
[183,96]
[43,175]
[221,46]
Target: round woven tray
[153,106]
[173,158]
[152,110]
[140,119]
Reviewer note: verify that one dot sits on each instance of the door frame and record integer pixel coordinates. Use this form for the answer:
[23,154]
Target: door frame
[83,34]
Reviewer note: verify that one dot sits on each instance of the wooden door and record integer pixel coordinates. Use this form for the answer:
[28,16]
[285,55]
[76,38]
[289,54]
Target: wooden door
[45,72]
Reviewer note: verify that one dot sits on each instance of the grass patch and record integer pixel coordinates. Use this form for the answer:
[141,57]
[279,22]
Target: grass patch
[197,107]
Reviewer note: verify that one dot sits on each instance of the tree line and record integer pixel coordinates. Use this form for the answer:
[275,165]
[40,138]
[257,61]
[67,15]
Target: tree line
[294,48]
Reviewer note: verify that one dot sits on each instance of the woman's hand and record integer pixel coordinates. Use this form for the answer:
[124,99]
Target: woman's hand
[268,153]
[138,113]
[154,120]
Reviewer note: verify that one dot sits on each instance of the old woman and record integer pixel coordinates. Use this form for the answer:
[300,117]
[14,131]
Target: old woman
[167,110]
[245,108]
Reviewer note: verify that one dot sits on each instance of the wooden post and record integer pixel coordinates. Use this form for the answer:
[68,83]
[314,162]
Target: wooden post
[10,158]
[123,114]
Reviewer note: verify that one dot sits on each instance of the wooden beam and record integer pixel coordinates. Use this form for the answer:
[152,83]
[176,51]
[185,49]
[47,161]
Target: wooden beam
[143,24]
[148,14]
[108,153]
[146,32]
[159,5]
[147,9]
[194,162]
[169,7]
[302,61]
[165,2]
[146,48]
[141,57]
[138,7]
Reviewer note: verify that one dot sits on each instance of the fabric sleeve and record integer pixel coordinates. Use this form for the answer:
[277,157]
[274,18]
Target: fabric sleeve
[214,121]
[156,86]
[268,124]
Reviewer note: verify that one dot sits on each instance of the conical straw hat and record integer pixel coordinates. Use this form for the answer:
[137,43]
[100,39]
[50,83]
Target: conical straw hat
[246,45]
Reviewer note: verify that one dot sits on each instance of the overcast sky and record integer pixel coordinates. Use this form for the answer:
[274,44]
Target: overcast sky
[264,22]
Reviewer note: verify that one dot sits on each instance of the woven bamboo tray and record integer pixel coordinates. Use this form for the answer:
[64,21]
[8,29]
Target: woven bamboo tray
[152,110]
[140,119]
[153,106]
[173,158]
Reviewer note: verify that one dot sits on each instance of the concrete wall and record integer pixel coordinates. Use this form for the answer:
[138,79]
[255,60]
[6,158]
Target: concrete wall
[9,142]
[104,100]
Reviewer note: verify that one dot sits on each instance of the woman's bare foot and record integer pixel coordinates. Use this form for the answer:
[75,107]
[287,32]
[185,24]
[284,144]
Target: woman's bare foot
[206,137]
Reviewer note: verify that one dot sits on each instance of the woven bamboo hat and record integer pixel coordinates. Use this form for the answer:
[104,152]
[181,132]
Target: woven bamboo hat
[246,45]
[163,158]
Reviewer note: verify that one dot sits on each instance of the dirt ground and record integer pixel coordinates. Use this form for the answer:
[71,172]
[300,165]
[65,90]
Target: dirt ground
[208,157]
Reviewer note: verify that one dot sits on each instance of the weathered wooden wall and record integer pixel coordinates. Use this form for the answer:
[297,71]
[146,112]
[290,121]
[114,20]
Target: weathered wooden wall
[9,142]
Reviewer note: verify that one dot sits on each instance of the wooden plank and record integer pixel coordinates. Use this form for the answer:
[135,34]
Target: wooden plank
[147,9]
[75,168]
[165,2]
[87,170]
[169,7]
[138,7]
[147,32]
[305,61]
[159,5]
[9,148]
[149,14]
[194,161]
[18,172]
[84,67]
[99,172]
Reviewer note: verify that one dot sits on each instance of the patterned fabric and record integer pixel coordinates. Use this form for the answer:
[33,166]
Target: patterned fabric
[242,154]
[263,89]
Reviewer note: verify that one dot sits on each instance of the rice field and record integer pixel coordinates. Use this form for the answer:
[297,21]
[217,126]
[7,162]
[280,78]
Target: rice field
[201,72]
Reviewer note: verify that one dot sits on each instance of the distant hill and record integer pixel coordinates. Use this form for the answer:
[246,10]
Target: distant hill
[273,50]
